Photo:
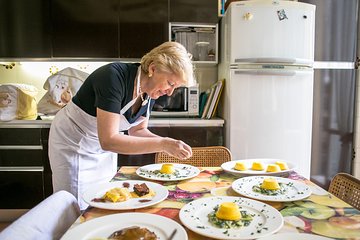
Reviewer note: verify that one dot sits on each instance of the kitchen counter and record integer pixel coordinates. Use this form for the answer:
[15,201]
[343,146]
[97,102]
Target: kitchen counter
[186,122]
[154,122]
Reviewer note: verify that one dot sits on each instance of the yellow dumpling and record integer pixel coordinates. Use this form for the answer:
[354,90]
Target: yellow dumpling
[240,166]
[273,168]
[257,166]
[228,211]
[167,168]
[270,184]
[118,195]
[282,165]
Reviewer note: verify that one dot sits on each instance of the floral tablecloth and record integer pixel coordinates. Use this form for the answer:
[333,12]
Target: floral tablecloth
[320,214]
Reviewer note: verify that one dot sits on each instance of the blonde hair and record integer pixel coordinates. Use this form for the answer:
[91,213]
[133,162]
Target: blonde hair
[170,57]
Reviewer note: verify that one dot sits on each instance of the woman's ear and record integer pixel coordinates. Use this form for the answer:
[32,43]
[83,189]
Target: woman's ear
[151,69]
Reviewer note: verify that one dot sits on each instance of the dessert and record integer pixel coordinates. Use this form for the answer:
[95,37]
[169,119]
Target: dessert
[258,166]
[133,233]
[167,168]
[240,166]
[270,184]
[228,215]
[273,168]
[228,211]
[141,189]
[282,165]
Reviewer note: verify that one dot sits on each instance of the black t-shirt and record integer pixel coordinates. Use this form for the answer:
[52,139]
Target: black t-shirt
[110,88]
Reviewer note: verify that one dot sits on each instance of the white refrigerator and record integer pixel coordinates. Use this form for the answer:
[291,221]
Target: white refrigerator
[267,53]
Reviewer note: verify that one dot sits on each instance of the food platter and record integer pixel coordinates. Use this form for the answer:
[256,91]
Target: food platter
[295,190]
[133,203]
[103,227]
[182,172]
[266,219]
[229,167]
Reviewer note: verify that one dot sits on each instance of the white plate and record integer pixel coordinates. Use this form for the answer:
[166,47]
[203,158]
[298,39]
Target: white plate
[185,171]
[103,227]
[229,167]
[99,190]
[294,236]
[266,219]
[297,191]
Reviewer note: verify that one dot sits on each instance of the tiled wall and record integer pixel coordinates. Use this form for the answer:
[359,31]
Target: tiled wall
[36,73]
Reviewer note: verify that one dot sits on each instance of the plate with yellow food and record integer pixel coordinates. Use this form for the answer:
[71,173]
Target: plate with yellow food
[224,217]
[126,226]
[122,195]
[271,188]
[258,166]
[167,171]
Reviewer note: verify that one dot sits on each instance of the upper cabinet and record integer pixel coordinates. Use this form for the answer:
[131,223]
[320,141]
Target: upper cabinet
[85,28]
[194,11]
[106,29]
[25,29]
[143,26]
[201,40]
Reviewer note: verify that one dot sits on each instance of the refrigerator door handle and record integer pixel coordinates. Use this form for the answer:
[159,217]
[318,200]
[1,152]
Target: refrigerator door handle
[296,61]
[265,60]
[271,72]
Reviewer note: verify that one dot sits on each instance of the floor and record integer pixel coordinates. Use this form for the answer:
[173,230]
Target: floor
[7,216]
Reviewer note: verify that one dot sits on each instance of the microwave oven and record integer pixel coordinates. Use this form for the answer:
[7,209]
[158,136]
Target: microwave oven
[184,102]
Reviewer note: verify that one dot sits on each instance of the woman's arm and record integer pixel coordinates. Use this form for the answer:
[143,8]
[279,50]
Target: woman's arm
[143,142]
[142,130]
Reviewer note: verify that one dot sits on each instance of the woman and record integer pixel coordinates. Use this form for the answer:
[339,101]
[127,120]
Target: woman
[86,135]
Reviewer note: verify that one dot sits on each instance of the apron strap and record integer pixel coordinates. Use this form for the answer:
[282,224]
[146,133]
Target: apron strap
[132,102]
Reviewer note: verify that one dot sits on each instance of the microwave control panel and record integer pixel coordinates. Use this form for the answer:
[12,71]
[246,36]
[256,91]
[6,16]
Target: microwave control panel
[193,106]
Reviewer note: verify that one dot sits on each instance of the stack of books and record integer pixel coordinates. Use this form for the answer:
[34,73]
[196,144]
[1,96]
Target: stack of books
[209,100]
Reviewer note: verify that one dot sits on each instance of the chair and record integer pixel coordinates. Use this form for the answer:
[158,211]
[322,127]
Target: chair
[202,157]
[347,188]
[46,221]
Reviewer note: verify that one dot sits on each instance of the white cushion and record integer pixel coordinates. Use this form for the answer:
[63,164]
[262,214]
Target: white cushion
[46,221]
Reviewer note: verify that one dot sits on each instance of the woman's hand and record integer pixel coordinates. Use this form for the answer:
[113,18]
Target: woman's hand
[176,148]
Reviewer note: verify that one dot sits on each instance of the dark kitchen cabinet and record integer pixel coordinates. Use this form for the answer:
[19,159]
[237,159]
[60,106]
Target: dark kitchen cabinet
[93,29]
[199,11]
[85,28]
[143,26]
[194,136]
[109,28]
[25,29]
[25,174]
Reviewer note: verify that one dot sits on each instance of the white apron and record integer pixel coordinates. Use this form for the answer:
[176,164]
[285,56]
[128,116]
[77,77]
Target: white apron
[76,157]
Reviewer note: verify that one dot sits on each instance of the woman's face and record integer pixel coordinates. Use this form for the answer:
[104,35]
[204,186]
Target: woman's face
[161,83]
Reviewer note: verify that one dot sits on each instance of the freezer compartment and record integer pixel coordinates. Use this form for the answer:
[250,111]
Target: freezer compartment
[269,31]
[269,115]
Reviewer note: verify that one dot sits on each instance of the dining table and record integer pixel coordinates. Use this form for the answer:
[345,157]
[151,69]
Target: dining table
[321,214]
